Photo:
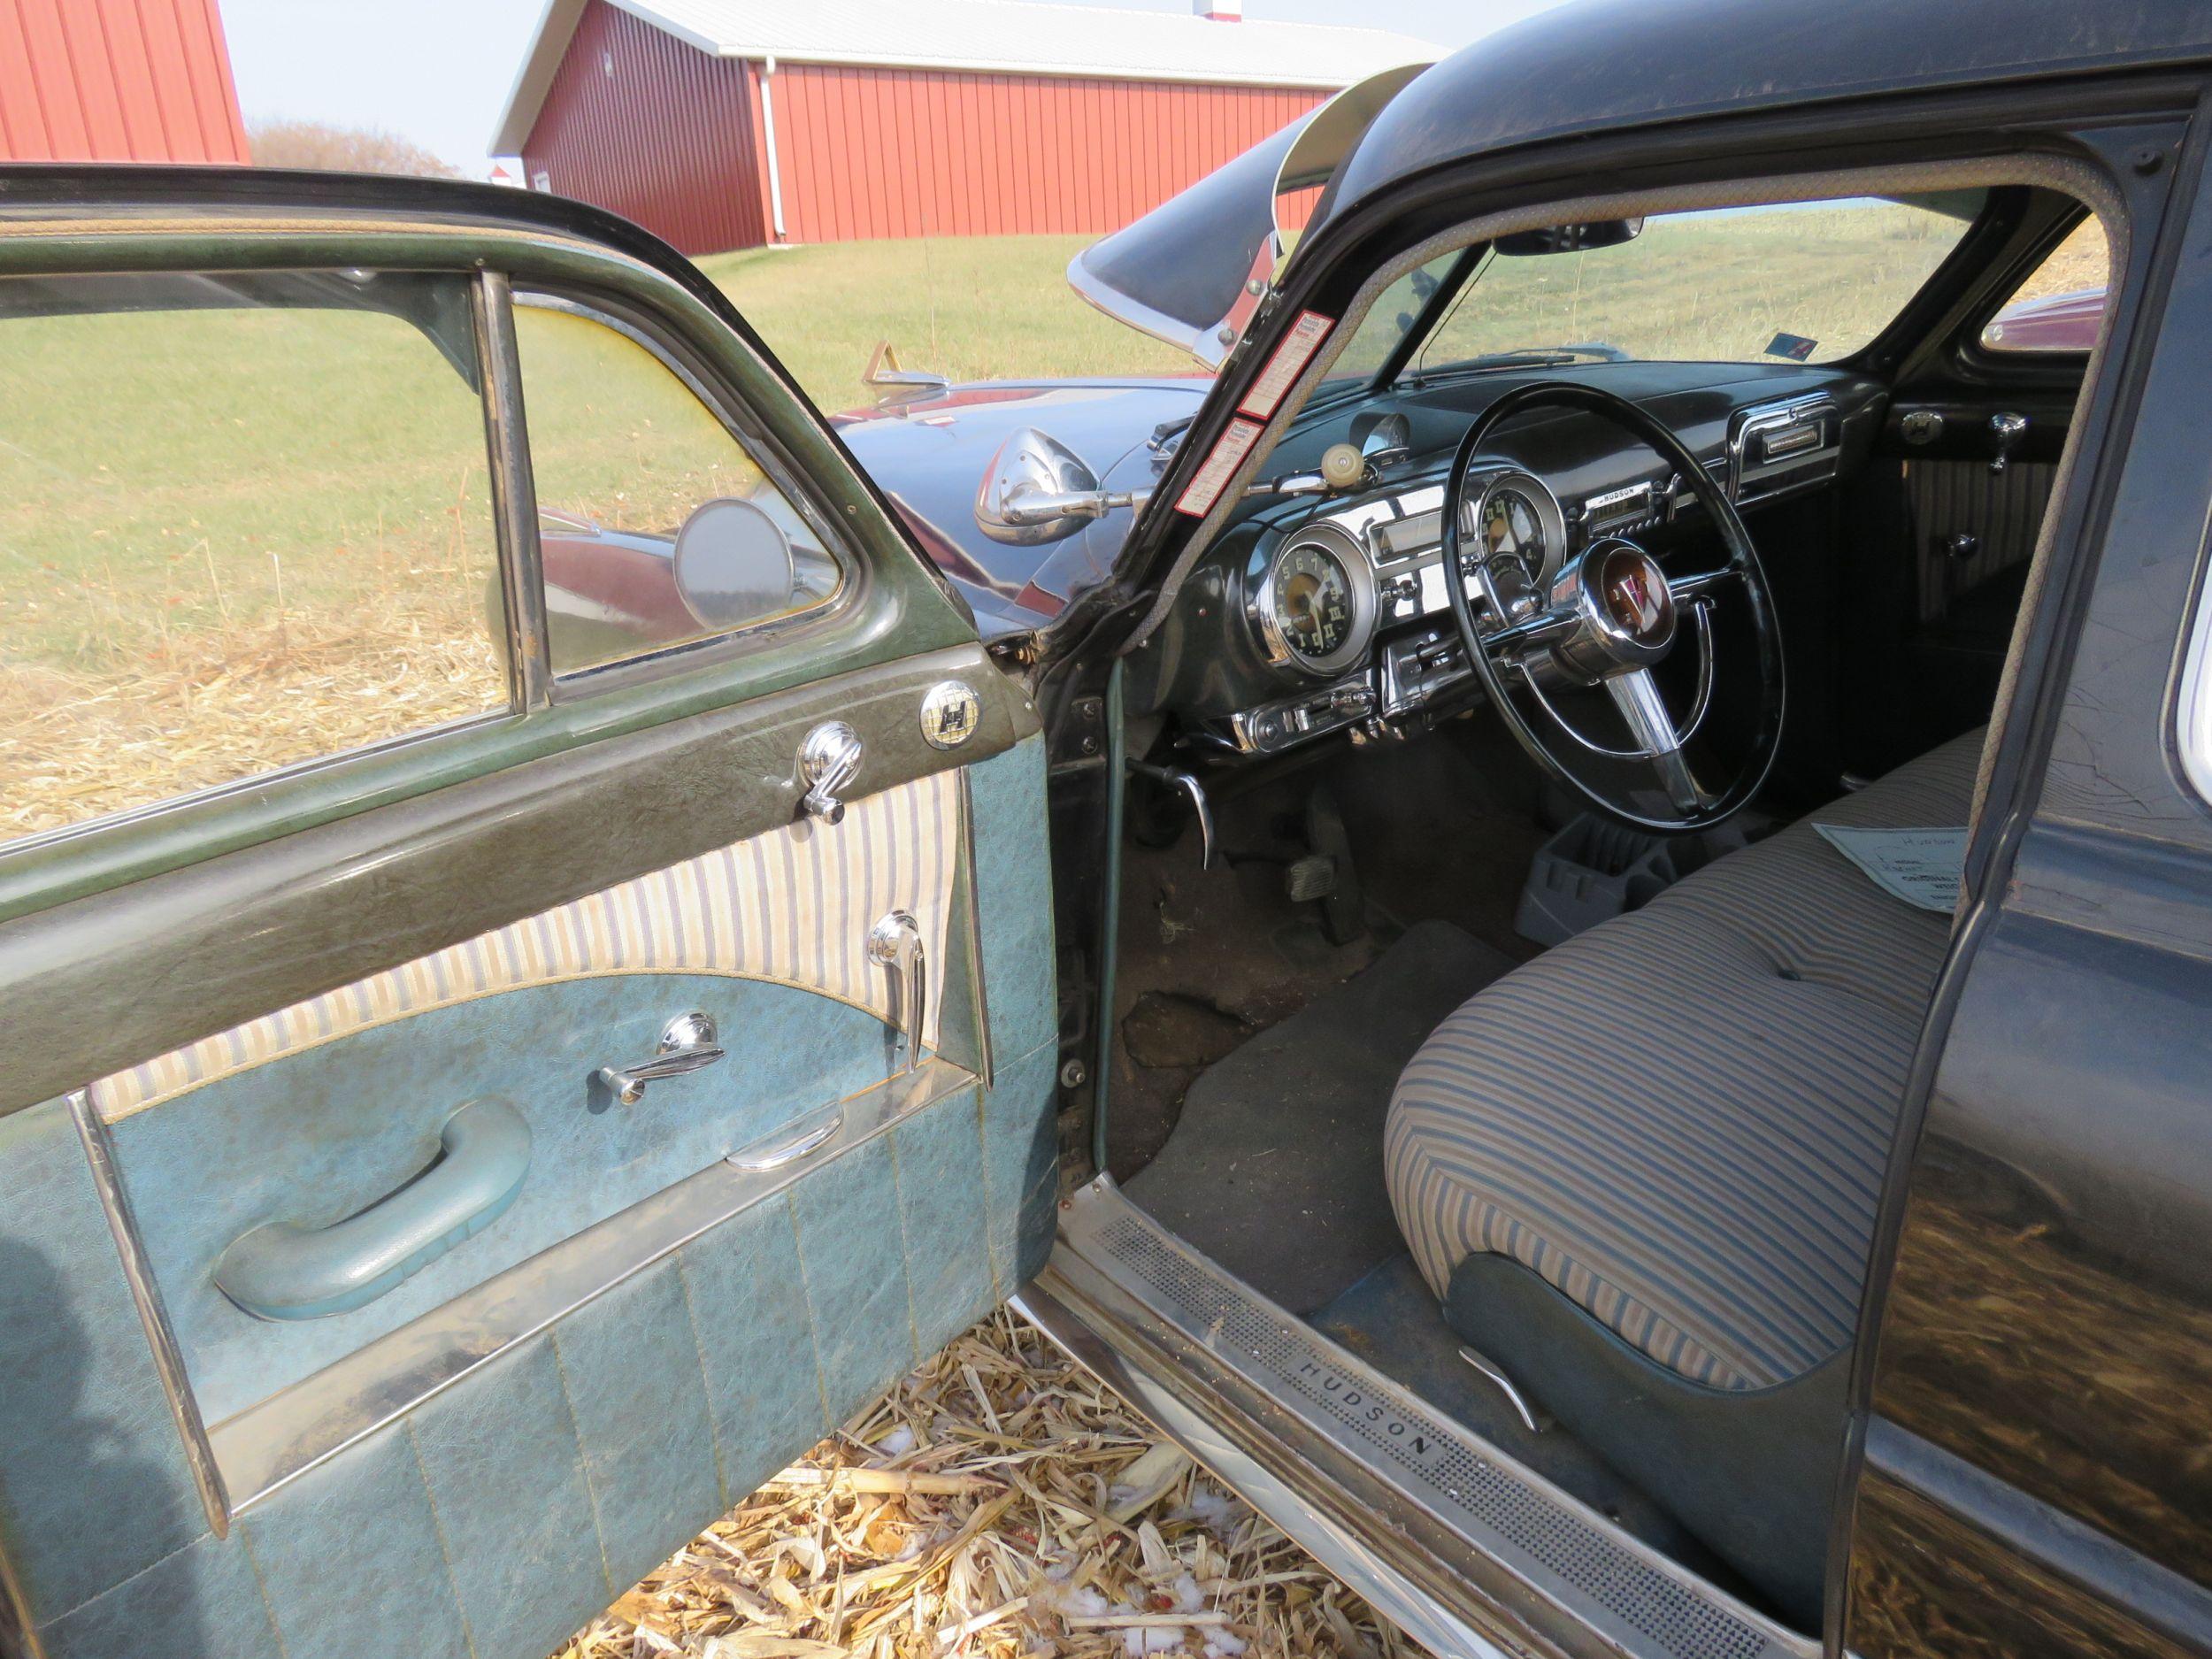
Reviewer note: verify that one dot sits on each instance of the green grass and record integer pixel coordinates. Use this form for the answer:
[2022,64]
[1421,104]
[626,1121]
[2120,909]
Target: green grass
[973,308]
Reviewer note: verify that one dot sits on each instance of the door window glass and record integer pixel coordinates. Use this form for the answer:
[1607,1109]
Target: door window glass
[244,522]
[657,528]
[2060,307]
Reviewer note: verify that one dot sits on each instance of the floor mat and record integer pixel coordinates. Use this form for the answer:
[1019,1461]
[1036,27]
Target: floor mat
[1275,1169]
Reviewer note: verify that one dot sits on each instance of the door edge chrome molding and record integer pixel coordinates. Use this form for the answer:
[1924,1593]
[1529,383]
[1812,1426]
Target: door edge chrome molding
[1432,1557]
[978,993]
[153,1314]
[1286,1496]
[269,1444]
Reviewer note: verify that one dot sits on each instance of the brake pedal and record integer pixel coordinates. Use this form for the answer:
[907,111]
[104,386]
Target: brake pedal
[1310,879]
[1343,906]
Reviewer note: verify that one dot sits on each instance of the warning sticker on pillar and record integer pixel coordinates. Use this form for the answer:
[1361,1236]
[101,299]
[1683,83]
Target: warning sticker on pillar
[1292,352]
[1228,455]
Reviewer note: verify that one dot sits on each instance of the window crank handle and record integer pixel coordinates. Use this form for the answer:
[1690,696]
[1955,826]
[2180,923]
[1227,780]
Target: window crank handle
[687,1043]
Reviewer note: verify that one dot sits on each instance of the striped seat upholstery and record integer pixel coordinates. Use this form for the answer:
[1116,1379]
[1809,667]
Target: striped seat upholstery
[1680,1117]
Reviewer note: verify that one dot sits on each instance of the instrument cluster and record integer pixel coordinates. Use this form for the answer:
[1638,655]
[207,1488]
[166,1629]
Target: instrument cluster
[1349,601]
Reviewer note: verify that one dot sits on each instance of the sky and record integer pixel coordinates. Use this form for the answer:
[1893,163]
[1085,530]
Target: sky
[437,71]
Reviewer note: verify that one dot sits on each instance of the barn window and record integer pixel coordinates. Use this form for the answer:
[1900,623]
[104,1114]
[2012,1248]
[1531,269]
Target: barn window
[658,528]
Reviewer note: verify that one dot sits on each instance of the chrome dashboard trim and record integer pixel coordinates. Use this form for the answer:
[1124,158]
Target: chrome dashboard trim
[1815,465]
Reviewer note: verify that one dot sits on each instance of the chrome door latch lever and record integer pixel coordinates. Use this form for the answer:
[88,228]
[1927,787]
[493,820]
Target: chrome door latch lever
[829,760]
[688,1042]
[896,941]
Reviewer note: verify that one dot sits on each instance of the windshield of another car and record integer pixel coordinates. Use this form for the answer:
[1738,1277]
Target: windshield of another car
[1805,282]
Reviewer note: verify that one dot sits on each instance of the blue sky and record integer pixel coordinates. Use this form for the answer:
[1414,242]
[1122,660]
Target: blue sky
[437,71]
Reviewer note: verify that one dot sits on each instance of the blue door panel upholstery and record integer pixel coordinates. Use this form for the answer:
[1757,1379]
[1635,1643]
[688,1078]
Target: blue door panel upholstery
[86,1435]
[505,1468]
[316,1136]
[639,1389]
[299,1537]
[498,1514]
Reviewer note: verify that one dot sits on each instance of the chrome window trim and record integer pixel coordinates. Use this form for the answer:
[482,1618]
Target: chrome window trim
[757,446]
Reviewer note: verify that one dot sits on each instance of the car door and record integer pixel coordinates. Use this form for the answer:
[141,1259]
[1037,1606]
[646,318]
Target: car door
[2034,1478]
[524,925]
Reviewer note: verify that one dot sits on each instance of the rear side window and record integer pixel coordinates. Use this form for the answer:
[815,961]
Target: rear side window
[656,526]
[244,523]
[2061,307]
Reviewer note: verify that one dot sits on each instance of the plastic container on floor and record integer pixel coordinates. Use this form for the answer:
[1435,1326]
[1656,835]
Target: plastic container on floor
[1593,869]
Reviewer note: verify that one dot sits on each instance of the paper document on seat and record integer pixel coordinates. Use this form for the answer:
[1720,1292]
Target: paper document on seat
[1920,866]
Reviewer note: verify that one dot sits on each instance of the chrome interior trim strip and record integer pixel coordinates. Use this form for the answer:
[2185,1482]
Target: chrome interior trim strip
[19,1638]
[1528,1561]
[176,1384]
[514,495]
[262,1448]
[1371,1569]
[978,993]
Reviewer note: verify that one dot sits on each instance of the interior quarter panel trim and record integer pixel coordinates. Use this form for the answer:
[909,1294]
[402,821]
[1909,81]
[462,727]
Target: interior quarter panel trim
[179,956]
[176,1385]
[267,1446]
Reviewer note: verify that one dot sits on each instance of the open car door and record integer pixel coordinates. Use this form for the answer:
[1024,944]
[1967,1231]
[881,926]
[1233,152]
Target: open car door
[524,920]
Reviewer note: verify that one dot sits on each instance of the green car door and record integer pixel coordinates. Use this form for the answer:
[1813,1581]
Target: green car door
[524,921]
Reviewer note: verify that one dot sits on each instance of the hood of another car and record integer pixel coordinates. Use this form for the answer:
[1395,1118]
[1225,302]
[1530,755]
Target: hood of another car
[929,454]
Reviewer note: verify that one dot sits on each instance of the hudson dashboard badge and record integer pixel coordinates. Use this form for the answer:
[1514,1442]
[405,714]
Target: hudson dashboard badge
[950,713]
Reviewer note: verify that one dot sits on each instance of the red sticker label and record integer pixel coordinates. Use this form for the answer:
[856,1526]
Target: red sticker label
[1229,452]
[1292,354]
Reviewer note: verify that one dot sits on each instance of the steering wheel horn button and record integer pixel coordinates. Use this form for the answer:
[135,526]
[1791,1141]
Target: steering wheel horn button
[1624,611]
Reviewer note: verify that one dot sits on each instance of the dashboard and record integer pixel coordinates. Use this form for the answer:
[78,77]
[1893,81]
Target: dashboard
[1312,616]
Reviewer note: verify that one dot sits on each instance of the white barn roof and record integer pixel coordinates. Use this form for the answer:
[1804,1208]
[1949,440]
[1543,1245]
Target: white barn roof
[984,37]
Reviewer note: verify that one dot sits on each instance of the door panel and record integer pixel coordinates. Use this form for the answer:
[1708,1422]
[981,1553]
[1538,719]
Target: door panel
[267,1010]
[311,1114]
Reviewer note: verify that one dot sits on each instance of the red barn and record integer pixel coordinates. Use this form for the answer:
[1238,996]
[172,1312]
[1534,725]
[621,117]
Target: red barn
[117,81]
[728,124]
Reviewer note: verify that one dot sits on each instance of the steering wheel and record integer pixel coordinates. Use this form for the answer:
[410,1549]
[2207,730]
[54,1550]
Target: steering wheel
[1608,618]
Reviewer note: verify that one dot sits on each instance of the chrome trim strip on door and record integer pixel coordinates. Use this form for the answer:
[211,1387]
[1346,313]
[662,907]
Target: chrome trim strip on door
[176,1385]
[514,495]
[978,993]
[267,1445]
[1527,1564]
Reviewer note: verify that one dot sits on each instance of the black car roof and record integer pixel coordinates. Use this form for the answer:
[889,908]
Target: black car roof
[1595,65]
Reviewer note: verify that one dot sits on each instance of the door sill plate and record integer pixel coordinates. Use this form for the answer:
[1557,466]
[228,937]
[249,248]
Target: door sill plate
[1548,1567]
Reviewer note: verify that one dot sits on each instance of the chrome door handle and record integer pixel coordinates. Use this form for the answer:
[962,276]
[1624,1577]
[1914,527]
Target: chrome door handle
[895,941]
[688,1042]
[828,761]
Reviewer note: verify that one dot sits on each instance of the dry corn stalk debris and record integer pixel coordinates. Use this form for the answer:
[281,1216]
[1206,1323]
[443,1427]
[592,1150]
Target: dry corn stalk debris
[998,1505]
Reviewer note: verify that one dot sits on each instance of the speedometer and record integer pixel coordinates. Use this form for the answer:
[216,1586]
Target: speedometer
[1315,600]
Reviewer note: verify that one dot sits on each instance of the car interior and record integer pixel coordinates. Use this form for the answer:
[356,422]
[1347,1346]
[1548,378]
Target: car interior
[1495,987]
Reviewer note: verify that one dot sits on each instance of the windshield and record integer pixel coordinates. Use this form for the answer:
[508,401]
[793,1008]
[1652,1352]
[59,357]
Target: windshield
[1803,283]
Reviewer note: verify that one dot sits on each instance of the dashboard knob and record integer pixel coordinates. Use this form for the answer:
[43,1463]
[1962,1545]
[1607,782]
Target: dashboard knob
[1342,465]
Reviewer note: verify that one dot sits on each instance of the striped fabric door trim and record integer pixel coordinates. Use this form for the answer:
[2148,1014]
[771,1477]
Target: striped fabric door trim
[793,906]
